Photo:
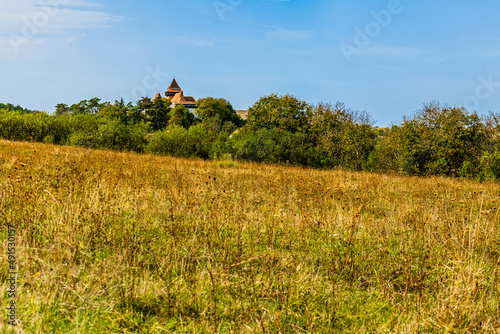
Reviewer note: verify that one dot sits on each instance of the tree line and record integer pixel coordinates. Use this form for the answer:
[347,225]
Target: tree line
[435,140]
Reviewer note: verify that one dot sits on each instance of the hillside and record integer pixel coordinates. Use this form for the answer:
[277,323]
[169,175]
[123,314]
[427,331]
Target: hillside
[112,242]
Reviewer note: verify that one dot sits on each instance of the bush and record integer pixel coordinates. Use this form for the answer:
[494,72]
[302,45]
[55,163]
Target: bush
[490,165]
[221,146]
[468,170]
[274,146]
[40,127]
[179,142]
[343,137]
[437,140]
[107,133]
[256,146]
[83,139]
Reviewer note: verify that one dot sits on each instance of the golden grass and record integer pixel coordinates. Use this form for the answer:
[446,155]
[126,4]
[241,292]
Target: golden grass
[122,243]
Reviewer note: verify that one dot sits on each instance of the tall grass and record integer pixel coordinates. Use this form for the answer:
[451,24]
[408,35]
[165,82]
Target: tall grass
[123,243]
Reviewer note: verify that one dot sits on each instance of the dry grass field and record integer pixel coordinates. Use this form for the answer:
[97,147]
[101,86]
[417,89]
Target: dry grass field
[112,242]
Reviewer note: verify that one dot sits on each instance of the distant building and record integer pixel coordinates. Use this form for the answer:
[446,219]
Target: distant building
[175,94]
[242,113]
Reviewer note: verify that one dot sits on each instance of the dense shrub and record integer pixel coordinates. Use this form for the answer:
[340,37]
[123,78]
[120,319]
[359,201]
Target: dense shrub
[107,133]
[343,137]
[273,146]
[490,166]
[222,146]
[179,142]
[437,140]
[16,125]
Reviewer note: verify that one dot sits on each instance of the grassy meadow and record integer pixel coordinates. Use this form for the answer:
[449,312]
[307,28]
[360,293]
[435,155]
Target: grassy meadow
[113,242]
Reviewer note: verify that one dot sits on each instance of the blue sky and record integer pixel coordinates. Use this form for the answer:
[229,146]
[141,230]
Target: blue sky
[385,57]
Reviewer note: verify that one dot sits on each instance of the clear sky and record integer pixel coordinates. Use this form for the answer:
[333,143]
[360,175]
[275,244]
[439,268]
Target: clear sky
[385,57]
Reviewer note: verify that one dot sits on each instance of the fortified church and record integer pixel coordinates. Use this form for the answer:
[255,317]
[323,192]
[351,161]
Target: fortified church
[175,94]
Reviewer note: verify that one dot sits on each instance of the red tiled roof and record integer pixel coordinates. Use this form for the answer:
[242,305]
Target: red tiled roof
[174,87]
[179,98]
[190,99]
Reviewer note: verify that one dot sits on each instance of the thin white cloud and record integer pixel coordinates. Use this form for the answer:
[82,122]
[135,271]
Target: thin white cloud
[31,17]
[26,25]
[21,6]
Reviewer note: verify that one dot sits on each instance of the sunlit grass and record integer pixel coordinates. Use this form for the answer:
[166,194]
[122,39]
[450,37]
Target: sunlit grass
[124,243]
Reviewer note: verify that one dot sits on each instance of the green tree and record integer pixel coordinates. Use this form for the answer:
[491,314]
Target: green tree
[94,106]
[79,108]
[181,116]
[492,128]
[118,110]
[145,104]
[11,107]
[141,111]
[158,113]
[436,140]
[344,136]
[62,109]
[135,114]
[217,109]
[284,113]
[111,111]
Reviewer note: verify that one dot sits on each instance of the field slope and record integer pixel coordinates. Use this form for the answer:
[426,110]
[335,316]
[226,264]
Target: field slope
[123,243]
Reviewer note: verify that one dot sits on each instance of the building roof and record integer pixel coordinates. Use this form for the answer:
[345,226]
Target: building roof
[158,95]
[174,87]
[189,99]
[179,98]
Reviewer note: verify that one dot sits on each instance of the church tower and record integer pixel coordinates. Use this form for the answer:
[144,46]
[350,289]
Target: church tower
[173,89]
[175,94]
